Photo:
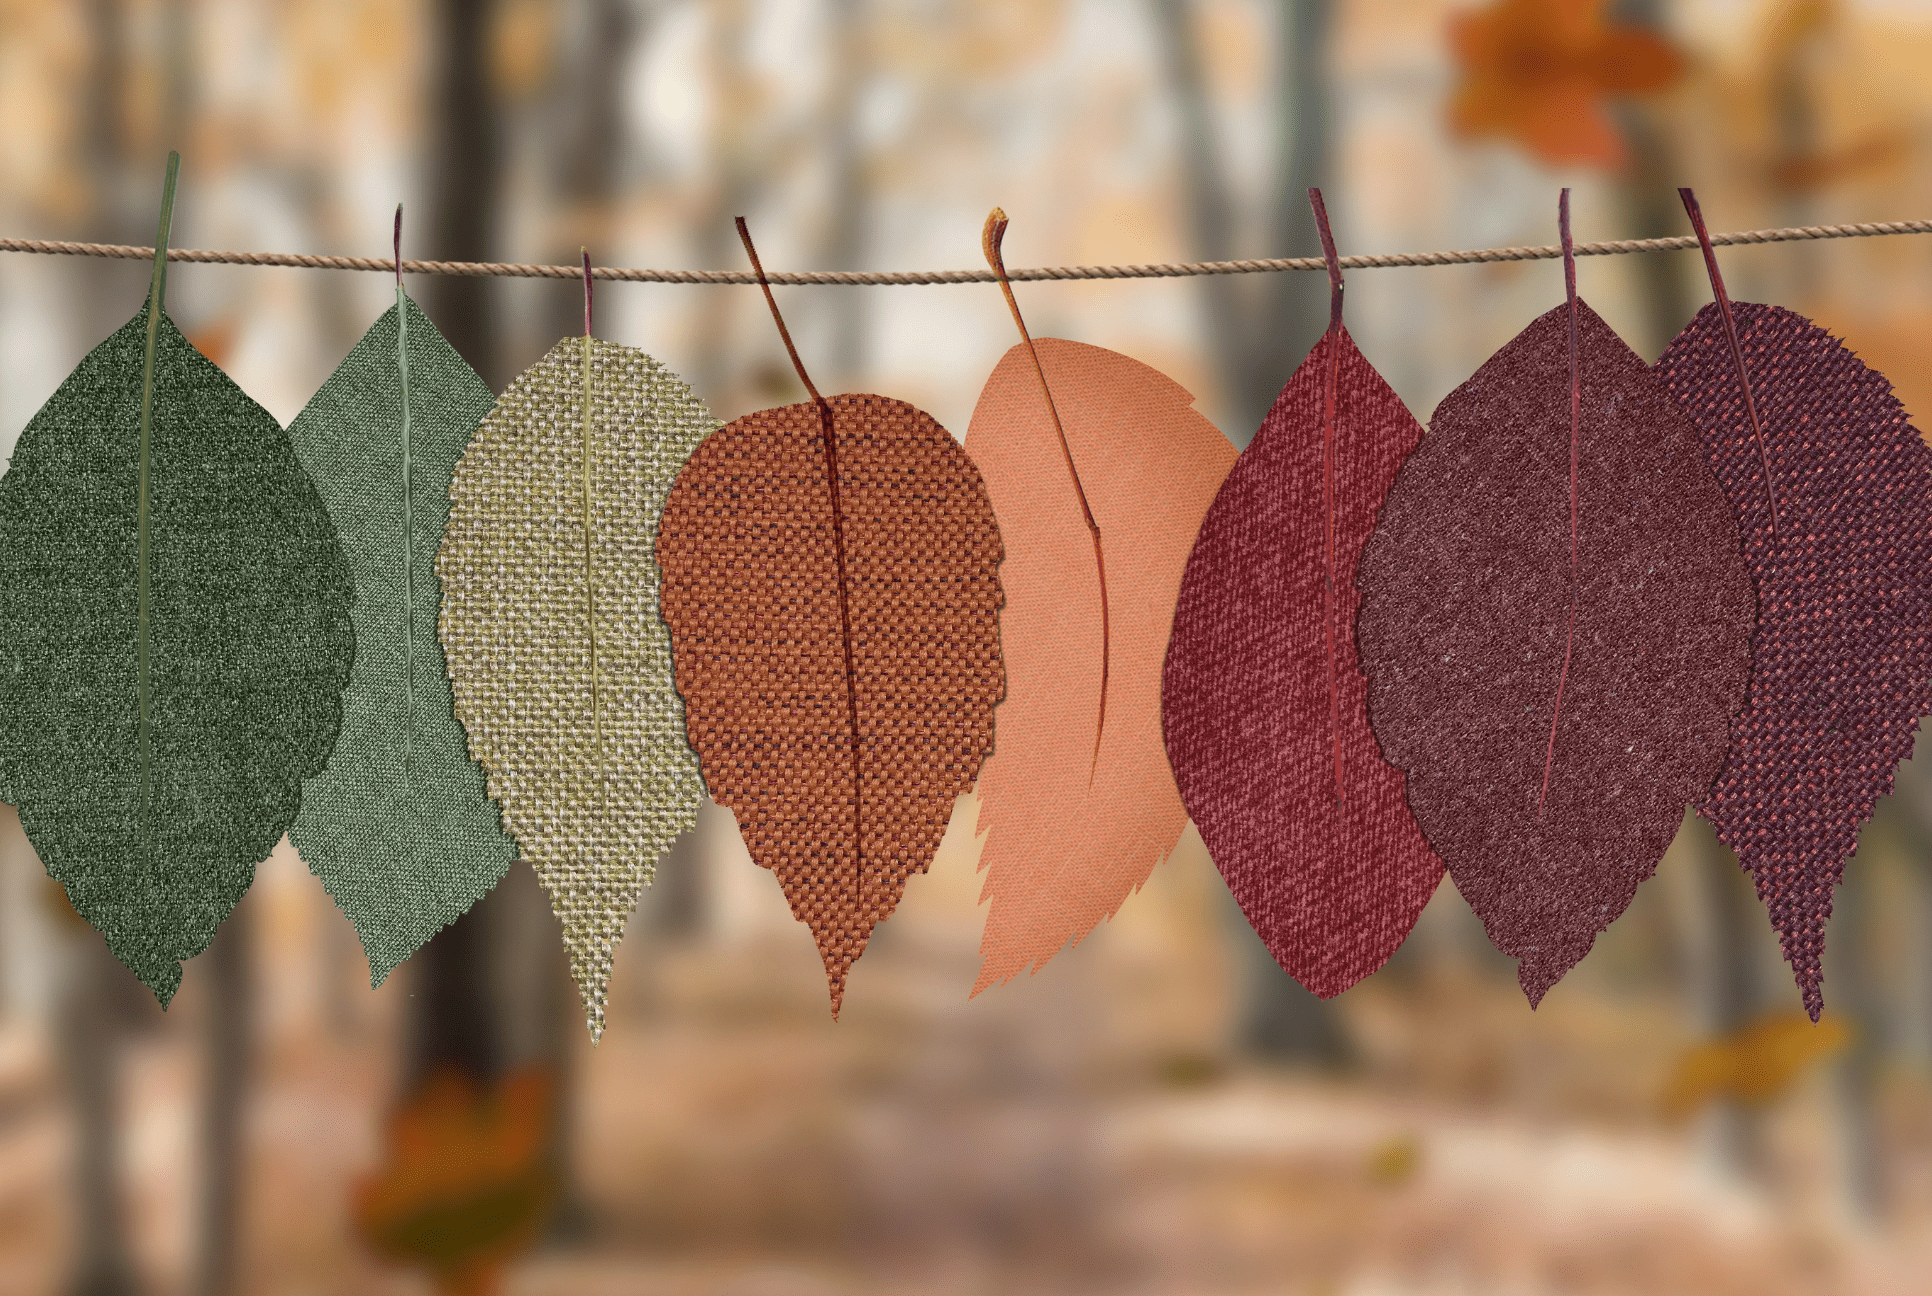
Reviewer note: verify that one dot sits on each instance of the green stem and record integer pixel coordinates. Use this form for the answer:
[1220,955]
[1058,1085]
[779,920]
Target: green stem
[144,681]
[409,548]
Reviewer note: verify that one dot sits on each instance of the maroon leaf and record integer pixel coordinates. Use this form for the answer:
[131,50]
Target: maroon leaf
[1263,704]
[1556,535]
[1842,659]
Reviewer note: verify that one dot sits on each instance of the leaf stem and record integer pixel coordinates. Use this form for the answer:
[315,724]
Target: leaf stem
[1576,426]
[590,566]
[1331,390]
[838,546]
[409,525]
[144,636]
[1696,215]
[991,236]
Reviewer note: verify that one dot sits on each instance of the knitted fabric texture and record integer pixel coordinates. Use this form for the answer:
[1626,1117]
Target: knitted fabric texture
[248,639]
[1466,597]
[399,827]
[574,715]
[1842,649]
[1331,886]
[751,590]
[1068,837]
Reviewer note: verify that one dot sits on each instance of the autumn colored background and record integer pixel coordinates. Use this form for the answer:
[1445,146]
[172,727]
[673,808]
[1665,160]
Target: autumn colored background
[1160,1109]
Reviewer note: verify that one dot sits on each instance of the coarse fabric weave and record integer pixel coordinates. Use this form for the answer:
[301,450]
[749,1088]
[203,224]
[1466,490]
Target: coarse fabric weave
[399,827]
[571,709]
[1464,632]
[1071,827]
[249,640]
[1331,887]
[751,590]
[1842,650]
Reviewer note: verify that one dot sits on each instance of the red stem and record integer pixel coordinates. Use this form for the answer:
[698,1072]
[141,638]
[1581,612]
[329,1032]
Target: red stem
[1331,389]
[1576,432]
[838,545]
[991,235]
[1696,215]
[586,252]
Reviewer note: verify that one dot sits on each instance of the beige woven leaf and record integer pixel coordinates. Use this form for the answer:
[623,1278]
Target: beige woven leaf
[560,661]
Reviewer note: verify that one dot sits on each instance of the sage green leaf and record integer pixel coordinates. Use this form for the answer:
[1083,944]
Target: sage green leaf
[399,827]
[560,660]
[173,672]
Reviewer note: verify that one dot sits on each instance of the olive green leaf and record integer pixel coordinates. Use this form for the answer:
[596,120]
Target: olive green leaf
[177,612]
[560,659]
[399,827]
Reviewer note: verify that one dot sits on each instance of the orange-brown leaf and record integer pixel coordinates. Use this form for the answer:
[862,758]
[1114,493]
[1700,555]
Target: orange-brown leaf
[1068,837]
[465,1186]
[751,591]
[1537,72]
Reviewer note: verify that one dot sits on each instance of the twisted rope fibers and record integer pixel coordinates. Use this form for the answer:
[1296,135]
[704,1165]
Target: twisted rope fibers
[1163,270]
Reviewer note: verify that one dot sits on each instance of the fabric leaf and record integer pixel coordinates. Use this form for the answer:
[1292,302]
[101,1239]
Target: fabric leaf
[1549,814]
[399,827]
[244,648]
[1331,884]
[1842,663]
[752,594]
[1067,838]
[559,660]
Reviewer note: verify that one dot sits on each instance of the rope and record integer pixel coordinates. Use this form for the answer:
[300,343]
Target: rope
[384,265]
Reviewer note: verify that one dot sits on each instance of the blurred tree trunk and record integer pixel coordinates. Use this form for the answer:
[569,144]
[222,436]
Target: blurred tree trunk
[454,1020]
[851,210]
[89,1043]
[466,157]
[228,1041]
[1259,328]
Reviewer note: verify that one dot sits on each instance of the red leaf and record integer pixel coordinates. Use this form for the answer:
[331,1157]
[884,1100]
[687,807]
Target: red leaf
[1549,816]
[1332,887]
[1842,661]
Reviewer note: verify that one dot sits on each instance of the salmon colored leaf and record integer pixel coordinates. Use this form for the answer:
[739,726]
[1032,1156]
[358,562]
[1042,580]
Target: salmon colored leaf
[176,604]
[560,661]
[399,827]
[831,584]
[1263,701]
[1555,626]
[1842,663]
[1069,838]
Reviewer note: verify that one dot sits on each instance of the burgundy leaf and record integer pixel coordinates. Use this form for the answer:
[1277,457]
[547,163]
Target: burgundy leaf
[1332,886]
[1557,535]
[1841,653]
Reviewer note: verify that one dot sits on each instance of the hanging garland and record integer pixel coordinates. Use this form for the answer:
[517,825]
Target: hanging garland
[422,632]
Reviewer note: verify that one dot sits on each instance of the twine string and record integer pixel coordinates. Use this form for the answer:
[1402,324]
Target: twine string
[885,278]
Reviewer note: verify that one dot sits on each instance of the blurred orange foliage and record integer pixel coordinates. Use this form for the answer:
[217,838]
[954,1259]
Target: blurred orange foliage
[1537,72]
[1755,1065]
[466,1186]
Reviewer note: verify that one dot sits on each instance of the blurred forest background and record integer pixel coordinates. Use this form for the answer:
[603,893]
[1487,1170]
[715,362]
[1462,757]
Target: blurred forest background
[1160,1109]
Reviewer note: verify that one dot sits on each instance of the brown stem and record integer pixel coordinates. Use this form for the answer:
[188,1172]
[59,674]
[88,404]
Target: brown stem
[1332,389]
[1576,425]
[590,564]
[1696,215]
[991,235]
[838,542]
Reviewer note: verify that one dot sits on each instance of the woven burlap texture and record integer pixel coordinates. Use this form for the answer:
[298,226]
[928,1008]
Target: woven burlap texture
[1068,837]
[594,783]
[250,644]
[751,591]
[1331,886]
[399,827]
[1842,648]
